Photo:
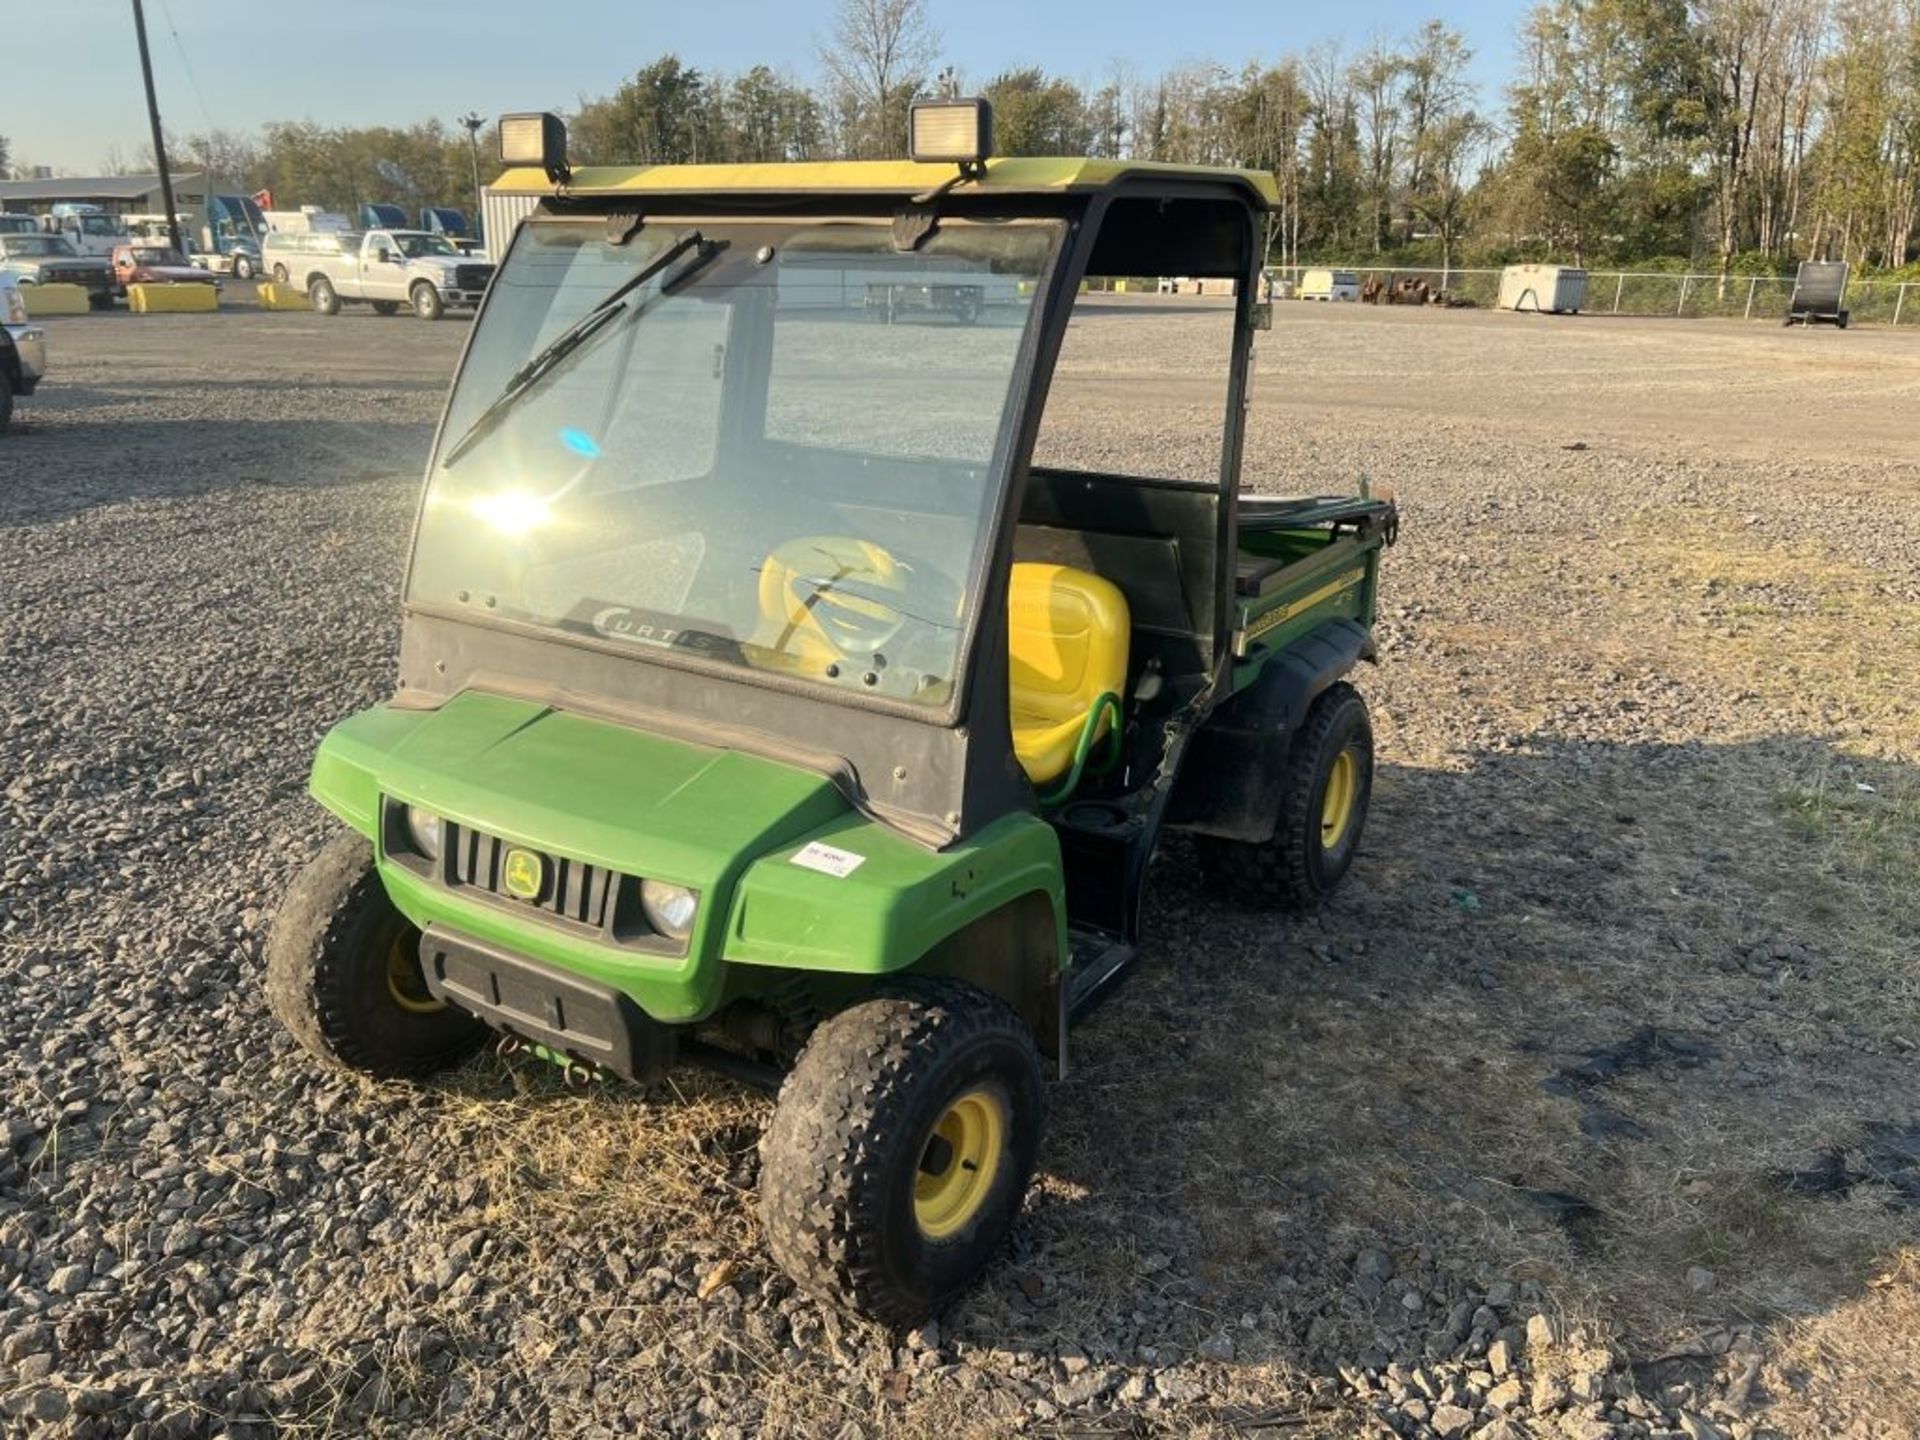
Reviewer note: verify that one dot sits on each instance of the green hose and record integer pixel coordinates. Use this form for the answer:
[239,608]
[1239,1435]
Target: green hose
[1088,731]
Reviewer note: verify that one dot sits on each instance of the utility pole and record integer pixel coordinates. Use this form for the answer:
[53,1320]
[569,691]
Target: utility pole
[475,122]
[159,136]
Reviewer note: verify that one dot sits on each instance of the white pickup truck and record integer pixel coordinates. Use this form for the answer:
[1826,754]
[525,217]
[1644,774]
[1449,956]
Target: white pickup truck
[390,269]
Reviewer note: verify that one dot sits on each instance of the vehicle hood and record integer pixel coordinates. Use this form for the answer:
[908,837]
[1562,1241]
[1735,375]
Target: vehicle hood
[589,789]
[34,264]
[170,274]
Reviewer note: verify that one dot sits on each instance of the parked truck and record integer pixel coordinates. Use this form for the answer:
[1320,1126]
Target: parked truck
[307,220]
[392,268]
[50,260]
[87,228]
[452,225]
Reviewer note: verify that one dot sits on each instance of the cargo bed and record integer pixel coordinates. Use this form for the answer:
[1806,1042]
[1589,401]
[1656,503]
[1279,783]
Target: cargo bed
[1302,561]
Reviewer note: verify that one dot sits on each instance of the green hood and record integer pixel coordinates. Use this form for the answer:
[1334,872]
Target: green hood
[595,791]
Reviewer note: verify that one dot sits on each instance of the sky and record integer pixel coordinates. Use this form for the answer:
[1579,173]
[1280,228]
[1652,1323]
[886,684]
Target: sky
[236,64]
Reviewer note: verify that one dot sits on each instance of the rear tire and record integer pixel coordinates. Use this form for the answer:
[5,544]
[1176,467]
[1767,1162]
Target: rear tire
[1323,811]
[323,297]
[6,401]
[99,301]
[901,1149]
[386,307]
[343,974]
[426,301]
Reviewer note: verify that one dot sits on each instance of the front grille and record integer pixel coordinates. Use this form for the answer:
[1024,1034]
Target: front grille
[571,889]
[472,277]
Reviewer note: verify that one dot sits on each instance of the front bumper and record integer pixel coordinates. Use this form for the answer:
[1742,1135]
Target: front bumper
[30,344]
[565,1013]
[94,282]
[461,299]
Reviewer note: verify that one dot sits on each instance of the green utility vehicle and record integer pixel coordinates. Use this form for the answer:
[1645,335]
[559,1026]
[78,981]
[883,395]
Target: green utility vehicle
[763,705]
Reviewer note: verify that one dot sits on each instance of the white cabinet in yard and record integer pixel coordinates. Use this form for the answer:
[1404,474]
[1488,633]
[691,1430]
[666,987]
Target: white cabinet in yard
[1557,289]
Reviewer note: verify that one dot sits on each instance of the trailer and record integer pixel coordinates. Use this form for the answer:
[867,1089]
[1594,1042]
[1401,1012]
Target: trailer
[1820,294]
[501,212]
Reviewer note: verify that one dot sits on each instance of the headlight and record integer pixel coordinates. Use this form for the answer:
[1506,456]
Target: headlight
[423,829]
[668,908]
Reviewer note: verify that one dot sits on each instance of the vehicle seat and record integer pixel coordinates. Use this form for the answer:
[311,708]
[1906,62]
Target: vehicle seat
[821,600]
[1067,647]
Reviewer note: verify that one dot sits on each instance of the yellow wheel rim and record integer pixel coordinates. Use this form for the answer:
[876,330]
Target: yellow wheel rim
[958,1164]
[1337,804]
[405,984]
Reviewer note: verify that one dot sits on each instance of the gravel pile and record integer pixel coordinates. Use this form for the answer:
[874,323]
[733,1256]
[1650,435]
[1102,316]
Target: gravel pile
[1493,1148]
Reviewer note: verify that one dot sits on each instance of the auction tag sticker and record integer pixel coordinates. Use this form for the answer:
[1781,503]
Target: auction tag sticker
[828,859]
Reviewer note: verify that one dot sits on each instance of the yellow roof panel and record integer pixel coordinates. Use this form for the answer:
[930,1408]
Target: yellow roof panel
[1007,176]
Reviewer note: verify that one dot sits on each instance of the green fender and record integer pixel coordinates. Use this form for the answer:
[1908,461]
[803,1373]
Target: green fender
[853,898]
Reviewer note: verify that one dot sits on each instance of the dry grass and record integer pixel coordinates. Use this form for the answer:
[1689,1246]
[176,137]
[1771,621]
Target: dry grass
[1855,1369]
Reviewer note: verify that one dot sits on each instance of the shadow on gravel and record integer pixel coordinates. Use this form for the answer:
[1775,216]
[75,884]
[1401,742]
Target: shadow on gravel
[68,459]
[1610,1023]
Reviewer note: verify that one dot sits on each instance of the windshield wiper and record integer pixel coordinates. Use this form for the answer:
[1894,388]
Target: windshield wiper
[572,338]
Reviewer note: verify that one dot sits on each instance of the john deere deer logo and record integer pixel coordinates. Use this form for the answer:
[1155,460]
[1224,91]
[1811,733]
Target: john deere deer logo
[523,874]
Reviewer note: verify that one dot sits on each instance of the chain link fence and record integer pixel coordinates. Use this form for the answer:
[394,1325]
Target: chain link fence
[1649,292]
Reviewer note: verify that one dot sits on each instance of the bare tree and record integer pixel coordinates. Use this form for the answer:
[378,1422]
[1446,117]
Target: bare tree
[1375,84]
[877,62]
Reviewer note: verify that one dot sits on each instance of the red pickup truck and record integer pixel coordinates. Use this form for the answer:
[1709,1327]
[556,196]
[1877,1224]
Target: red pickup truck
[155,265]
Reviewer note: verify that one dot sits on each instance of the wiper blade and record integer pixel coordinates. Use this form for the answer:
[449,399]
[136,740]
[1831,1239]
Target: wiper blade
[610,307]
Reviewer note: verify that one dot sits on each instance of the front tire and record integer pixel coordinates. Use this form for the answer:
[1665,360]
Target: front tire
[280,275]
[343,974]
[386,307]
[426,302]
[6,401]
[242,268]
[1323,811]
[323,297]
[99,301]
[901,1149]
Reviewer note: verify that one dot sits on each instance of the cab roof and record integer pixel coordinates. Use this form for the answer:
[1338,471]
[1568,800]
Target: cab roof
[1009,175]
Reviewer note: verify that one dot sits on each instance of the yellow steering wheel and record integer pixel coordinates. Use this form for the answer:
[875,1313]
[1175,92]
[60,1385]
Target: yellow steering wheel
[828,600]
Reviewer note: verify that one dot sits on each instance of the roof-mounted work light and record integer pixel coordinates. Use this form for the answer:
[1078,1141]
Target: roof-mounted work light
[536,140]
[959,131]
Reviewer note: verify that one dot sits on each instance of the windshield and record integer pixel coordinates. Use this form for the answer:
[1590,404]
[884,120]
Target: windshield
[102,225]
[414,244]
[147,255]
[776,457]
[35,245]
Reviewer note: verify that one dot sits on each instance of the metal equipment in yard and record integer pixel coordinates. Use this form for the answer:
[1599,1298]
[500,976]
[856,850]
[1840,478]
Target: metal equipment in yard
[763,705]
[1820,294]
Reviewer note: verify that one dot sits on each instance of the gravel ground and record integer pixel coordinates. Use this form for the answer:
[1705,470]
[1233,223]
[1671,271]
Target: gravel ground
[1586,1109]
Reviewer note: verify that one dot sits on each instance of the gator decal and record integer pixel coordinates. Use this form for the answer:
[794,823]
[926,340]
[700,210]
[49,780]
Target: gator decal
[1280,614]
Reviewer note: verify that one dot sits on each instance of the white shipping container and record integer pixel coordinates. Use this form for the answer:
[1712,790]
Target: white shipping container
[501,212]
[1550,289]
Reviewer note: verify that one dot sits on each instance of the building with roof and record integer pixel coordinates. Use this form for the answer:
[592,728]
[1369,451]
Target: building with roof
[117,194]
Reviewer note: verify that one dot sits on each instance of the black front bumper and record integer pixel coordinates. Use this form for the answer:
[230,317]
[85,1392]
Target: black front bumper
[568,1014]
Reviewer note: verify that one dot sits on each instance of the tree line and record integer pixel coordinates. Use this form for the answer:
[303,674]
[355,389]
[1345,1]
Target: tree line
[1738,135]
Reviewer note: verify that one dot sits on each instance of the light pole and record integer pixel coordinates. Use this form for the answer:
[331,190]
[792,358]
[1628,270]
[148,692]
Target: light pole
[159,135]
[475,122]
